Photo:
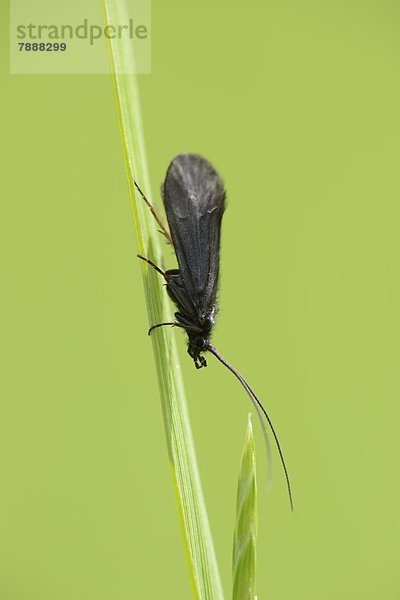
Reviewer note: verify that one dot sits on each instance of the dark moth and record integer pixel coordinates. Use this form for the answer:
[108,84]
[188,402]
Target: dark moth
[194,201]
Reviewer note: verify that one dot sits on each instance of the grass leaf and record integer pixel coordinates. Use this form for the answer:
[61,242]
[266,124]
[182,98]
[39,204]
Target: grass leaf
[202,560]
[244,541]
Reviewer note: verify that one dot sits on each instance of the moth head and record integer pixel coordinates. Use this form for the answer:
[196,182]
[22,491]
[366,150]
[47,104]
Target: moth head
[197,345]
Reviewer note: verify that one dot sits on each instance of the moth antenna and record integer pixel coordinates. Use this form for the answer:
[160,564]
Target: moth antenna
[258,405]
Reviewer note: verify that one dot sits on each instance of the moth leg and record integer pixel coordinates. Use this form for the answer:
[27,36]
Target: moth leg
[171,323]
[150,262]
[186,323]
[164,230]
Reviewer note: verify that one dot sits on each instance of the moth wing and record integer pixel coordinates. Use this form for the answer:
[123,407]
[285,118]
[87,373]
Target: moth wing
[194,199]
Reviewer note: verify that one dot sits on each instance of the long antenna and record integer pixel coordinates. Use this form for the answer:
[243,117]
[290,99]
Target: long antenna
[257,404]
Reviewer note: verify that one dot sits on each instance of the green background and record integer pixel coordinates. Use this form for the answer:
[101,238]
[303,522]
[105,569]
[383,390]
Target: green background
[297,104]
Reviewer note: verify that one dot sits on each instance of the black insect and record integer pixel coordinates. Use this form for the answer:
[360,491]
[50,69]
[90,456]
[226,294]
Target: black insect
[194,200]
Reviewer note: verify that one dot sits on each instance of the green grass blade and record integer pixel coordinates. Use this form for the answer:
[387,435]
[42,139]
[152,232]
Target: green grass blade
[244,541]
[202,560]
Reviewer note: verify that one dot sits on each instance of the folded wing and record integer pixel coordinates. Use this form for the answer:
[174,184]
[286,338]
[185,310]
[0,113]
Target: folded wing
[194,199]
